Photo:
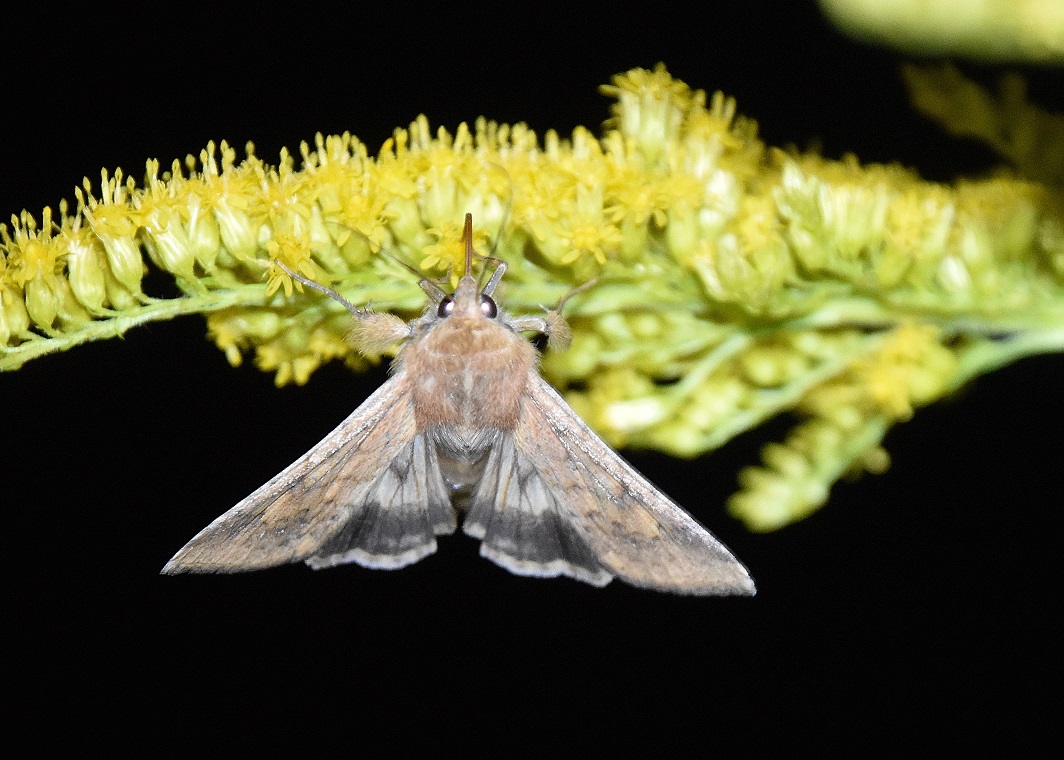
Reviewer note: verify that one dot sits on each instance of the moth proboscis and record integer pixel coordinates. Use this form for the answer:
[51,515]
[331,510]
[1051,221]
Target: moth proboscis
[466,424]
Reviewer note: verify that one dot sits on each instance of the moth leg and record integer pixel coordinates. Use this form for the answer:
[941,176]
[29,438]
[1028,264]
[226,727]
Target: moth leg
[553,325]
[432,287]
[373,332]
[496,275]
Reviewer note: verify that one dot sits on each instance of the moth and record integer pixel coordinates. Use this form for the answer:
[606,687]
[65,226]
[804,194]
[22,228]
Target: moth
[465,424]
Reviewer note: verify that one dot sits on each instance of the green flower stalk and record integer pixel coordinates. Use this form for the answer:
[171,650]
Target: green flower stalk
[733,281]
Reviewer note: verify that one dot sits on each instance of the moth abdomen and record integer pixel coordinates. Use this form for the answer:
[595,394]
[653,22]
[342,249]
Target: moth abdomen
[464,443]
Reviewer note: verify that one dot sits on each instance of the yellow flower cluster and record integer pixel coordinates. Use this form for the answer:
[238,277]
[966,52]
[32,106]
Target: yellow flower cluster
[733,281]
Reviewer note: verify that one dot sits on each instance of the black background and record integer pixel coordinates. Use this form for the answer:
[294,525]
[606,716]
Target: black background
[916,608]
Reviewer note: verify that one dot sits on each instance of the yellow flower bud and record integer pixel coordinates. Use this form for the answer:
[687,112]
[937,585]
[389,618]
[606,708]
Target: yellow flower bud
[70,311]
[86,271]
[42,303]
[168,245]
[14,319]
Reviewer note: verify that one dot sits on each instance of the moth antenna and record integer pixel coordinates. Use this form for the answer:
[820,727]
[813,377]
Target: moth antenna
[506,213]
[412,269]
[500,265]
[575,291]
[321,289]
[431,287]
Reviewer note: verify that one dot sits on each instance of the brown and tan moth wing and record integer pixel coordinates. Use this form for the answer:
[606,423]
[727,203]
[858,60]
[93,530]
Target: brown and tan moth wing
[371,492]
[521,522]
[556,500]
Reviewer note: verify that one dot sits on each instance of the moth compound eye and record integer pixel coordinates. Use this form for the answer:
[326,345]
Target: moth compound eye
[488,307]
[446,307]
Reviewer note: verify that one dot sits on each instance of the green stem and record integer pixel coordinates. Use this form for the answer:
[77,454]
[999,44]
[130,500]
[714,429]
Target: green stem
[248,295]
[987,355]
[771,402]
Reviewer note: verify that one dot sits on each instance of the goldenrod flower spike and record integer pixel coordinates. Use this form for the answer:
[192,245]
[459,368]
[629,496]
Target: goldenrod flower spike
[733,281]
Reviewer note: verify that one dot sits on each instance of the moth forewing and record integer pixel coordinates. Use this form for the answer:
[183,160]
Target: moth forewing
[467,415]
[638,533]
[294,515]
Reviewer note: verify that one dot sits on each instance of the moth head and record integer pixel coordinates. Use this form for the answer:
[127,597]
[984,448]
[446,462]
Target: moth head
[469,300]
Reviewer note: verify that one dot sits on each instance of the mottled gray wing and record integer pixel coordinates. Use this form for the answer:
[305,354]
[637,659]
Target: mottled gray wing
[522,525]
[556,500]
[371,492]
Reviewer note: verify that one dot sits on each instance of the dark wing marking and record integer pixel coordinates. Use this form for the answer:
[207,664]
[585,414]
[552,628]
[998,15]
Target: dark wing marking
[521,525]
[598,506]
[397,521]
[371,492]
